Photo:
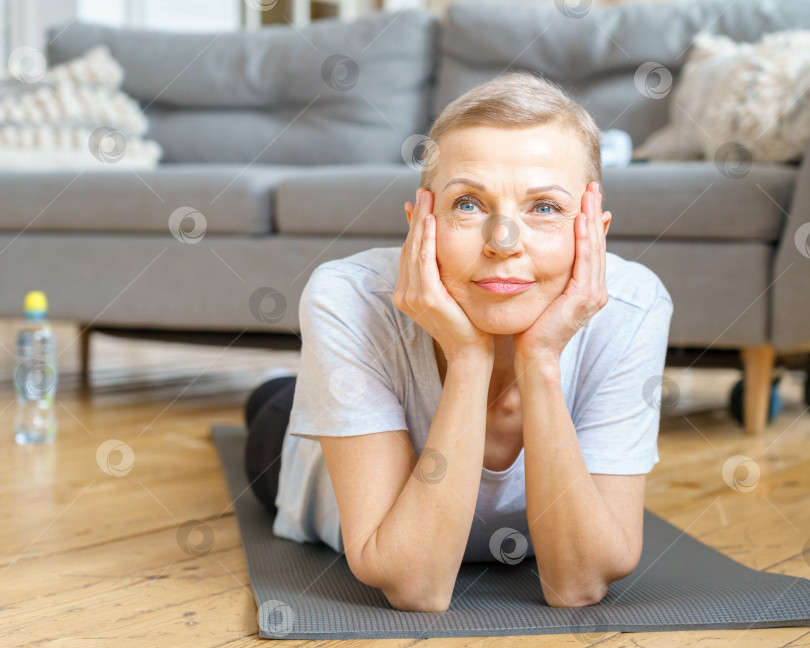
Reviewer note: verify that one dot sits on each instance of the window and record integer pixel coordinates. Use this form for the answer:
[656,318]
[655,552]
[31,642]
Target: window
[174,15]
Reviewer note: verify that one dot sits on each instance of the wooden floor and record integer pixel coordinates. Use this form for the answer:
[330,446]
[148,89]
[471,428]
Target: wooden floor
[90,559]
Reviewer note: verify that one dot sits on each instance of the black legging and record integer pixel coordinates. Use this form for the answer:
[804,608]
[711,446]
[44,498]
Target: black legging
[267,413]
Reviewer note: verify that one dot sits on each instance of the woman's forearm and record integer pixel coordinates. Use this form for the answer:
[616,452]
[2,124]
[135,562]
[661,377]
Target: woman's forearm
[579,546]
[422,539]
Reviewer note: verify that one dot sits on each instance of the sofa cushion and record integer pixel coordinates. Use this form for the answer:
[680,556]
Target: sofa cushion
[594,57]
[355,200]
[742,95]
[331,92]
[234,199]
[694,200]
[670,200]
[71,116]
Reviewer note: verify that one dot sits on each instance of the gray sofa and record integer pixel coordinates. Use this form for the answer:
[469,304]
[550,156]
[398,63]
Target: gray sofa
[290,147]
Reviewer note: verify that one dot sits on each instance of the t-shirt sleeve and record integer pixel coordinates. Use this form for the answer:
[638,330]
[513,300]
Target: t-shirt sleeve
[618,429]
[343,387]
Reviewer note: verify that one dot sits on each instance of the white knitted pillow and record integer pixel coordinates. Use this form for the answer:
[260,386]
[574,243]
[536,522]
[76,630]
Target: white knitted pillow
[71,116]
[739,94]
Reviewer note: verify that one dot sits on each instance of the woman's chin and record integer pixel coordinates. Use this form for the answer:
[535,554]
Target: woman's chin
[506,317]
[503,330]
[505,324]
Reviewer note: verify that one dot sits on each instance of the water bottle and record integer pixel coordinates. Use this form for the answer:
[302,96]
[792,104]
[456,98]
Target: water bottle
[35,373]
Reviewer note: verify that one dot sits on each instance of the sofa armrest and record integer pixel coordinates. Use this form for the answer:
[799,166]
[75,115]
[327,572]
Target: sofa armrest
[790,305]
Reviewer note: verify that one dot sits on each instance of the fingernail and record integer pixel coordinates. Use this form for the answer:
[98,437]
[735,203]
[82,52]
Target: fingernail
[418,197]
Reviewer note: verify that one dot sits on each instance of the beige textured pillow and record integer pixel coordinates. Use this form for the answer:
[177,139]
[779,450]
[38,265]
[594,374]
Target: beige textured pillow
[739,94]
[71,116]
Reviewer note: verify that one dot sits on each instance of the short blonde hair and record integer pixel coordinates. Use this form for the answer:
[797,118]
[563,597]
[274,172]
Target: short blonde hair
[515,100]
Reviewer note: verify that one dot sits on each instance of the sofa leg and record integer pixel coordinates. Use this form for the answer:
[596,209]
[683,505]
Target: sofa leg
[758,364]
[84,342]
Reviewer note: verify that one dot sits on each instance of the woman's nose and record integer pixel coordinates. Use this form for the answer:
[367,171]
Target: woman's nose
[502,234]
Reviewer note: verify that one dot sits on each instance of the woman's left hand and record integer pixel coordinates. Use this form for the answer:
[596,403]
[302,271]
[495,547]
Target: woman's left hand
[585,294]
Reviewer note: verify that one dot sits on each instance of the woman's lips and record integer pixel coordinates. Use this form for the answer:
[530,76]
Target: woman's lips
[504,288]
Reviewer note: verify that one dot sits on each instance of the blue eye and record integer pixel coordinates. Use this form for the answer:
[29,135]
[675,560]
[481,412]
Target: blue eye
[546,205]
[466,200]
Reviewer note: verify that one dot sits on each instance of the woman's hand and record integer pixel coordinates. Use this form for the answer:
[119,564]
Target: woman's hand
[422,296]
[585,294]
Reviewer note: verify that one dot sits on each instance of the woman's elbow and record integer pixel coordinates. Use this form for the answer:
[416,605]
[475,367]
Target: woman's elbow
[577,598]
[416,600]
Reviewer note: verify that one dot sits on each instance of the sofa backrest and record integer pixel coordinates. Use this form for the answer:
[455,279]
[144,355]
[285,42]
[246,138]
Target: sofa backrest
[331,92]
[594,53]
[354,92]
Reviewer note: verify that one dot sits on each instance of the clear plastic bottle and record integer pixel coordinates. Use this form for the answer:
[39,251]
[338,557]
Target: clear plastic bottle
[35,373]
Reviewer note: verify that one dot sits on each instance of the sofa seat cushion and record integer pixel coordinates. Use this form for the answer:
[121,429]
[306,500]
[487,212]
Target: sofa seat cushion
[233,198]
[694,200]
[355,200]
[647,200]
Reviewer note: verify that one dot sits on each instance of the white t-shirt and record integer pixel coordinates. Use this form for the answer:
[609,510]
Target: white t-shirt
[367,367]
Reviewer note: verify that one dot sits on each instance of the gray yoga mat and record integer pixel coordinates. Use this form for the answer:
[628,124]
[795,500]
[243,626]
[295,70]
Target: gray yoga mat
[307,591]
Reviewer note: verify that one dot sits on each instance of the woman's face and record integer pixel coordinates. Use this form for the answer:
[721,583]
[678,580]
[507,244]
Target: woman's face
[497,214]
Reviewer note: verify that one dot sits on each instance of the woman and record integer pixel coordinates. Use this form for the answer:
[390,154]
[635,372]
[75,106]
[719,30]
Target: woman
[441,415]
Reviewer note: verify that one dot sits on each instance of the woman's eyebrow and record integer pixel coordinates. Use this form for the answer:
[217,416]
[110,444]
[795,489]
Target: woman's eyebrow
[531,190]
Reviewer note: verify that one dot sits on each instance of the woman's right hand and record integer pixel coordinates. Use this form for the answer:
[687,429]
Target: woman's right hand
[422,296]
